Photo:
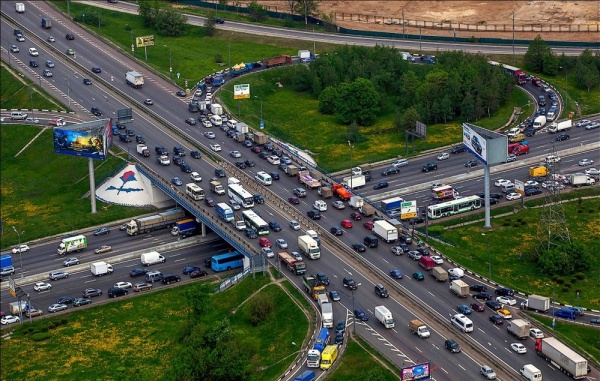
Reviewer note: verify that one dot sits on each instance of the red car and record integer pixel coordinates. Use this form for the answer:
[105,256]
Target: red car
[346,224]
[476,306]
[294,200]
[356,216]
[368,225]
[264,242]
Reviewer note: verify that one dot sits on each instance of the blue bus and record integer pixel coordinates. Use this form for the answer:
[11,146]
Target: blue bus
[322,340]
[228,261]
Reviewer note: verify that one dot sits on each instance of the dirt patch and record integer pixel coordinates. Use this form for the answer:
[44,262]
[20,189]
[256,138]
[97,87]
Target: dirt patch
[569,20]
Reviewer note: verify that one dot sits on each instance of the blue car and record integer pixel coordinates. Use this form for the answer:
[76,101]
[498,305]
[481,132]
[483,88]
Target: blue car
[396,274]
[177,181]
[381,185]
[361,315]
[464,309]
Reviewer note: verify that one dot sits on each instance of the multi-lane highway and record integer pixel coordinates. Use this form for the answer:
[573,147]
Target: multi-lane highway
[397,344]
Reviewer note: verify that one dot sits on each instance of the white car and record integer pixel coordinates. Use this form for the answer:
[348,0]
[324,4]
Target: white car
[235,154]
[356,171]
[552,159]
[294,225]
[437,259]
[51,39]
[593,125]
[215,147]
[592,171]
[123,285]
[513,131]
[20,249]
[536,333]
[443,156]
[582,123]
[234,205]
[33,52]
[513,196]
[206,124]
[585,162]
[57,307]
[456,272]
[506,300]
[281,243]
[196,176]
[42,286]
[268,251]
[501,182]
[9,319]
[531,183]
[297,255]
[273,159]
[518,347]
[210,135]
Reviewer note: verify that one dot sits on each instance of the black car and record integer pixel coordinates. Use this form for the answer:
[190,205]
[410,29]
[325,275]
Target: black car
[562,137]
[181,93]
[416,220]
[390,171]
[125,138]
[423,250]
[471,163]
[209,201]
[241,165]
[90,292]
[273,225]
[361,315]
[249,163]
[87,81]
[478,287]
[101,231]
[33,63]
[137,272]
[359,247]
[177,160]
[130,132]
[339,338]
[140,139]
[250,233]
[114,292]
[195,154]
[336,230]
[190,269]
[532,191]
[503,291]
[322,279]
[529,132]
[429,167]
[405,238]
[179,150]
[219,20]
[483,296]
[258,198]
[274,175]
[185,167]
[458,149]
[220,172]
[314,214]
[368,177]
[350,283]
[247,143]
[170,278]
[96,70]
[65,300]
[381,291]
[96,111]
[496,319]
[263,154]
[161,151]
[381,185]
[70,36]
[494,305]
[452,346]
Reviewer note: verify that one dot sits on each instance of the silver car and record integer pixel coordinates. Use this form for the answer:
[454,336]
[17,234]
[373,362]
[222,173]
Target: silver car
[339,205]
[294,225]
[57,307]
[70,262]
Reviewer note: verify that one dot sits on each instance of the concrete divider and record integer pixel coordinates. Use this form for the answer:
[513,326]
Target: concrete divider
[114,260]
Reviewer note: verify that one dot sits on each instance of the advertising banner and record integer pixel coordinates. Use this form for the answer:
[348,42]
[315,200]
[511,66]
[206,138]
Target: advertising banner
[241,91]
[488,146]
[416,372]
[89,139]
[408,209]
[144,41]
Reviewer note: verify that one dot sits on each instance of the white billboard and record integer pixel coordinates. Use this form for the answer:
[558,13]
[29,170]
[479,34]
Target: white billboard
[241,91]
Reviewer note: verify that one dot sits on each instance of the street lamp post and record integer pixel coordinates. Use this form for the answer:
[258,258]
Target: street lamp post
[354,320]
[261,111]
[351,163]
[20,255]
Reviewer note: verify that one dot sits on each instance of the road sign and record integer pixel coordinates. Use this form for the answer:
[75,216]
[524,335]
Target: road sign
[178,74]
[241,91]
[408,209]
[262,125]
[11,287]
[520,187]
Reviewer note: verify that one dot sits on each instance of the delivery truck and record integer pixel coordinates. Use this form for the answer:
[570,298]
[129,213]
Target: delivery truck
[426,262]
[356,202]
[355,182]
[151,258]
[72,244]
[531,373]
[579,179]
[385,231]
[313,287]
[540,171]
[216,109]
[519,328]
[536,303]
[419,328]
[439,273]
[391,204]
[101,268]
[239,223]
[325,192]
[20,7]
[327,314]
[384,316]
[134,79]
[564,358]
[185,226]
[367,209]
[46,23]
[6,262]
[560,125]
[459,288]
[162,220]
[291,170]
[259,138]
[16,307]
[142,149]
[309,247]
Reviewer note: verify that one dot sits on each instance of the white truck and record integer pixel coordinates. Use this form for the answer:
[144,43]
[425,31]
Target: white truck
[309,247]
[101,268]
[16,307]
[151,258]
[354,182]
[322,299]
[559,355]
[560,125]
[519,328]
[539,122]
[216,109]
[531,373]
[143,150]
[419,328]
[385,231]
[72,244]
[314,235]
[459,288]
[384,316]
[239,223]
[356,202]
[216,187]
[20,7]
[327,314]
[134,79]
[536,303]
[579,179]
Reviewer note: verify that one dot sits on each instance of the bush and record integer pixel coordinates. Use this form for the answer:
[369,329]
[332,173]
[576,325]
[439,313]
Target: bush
[559,280]
[580,276]
[41,336]
[218,58]
[261,307]
[565,289]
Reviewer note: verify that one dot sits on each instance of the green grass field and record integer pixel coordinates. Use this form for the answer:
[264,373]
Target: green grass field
[21,93]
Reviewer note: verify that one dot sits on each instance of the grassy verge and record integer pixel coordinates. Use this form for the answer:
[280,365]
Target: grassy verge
[584,339]
[20,93]
[39,196]
[512,265]
[137,337]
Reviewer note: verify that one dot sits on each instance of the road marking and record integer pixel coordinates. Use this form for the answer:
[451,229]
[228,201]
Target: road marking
[461,367]
[445,371]
[417,348]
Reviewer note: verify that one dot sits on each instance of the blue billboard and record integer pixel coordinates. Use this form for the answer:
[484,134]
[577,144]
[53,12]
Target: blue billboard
[416,372]
[89,139]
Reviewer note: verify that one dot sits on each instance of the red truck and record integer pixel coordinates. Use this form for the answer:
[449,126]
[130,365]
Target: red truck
[426,262]
[522,149]
[341,192]
[282,59]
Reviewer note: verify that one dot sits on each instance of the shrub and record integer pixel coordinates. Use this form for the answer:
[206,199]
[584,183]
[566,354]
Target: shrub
[580,276]
[41,336]
[218,58]
[565,289]
[261,307]
[559,280]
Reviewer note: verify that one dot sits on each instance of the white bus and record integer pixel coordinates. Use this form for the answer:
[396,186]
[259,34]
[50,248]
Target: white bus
[449,208]
[194,191]
[242,196]
[254,222]
[264,178]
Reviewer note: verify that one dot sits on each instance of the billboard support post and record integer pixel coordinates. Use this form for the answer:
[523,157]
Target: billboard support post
[486,191]
[92,185]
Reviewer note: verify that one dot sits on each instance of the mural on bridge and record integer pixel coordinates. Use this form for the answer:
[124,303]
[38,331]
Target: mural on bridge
[128,187]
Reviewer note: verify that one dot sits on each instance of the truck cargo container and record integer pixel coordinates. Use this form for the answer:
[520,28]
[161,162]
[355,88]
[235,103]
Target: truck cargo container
[72,244]
[259,138]
[579,179]
[216,109]
[560,125]
[531,373]
[20,7]
[385,231]
[101,268]
[444,192]
[327,314]
[519,328]
[134,79]
[459,288]
[305,55]
[384,316]
[216,187]
[292,264]
[162,220]
[536,303]
[46,23]
[291,170]
[355,182]
[313,287]
[225,212]
[426,262]
[309,247]
[564,358]
[282,59]
[439,273]
[393,203]
[356,202]
[367,209]
[6,261]
[184,226]
[322,340]
[540,171]
[419,328]
[16,307]
[325,192]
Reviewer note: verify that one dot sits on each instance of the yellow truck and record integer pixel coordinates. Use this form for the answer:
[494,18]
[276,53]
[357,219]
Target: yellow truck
[328,357]
[540,171]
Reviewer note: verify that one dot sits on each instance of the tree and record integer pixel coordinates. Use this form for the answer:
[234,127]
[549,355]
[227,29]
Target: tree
[261,308]
[407,120]
[327,100]
[306,7]
[292,5]
[149,10]
[210,24]
[256,11]
[564,258]
[170,23]
[357,102]
[198,297]
[586,76]
[534,58]
[468,107]
[550,63]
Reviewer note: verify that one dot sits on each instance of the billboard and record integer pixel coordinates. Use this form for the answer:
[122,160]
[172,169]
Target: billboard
[144,41]
[241,91]
[408,209]
[488,146]
[416,372]
[89,139]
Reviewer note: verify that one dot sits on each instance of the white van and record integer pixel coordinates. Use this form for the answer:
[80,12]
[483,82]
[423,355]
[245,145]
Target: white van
[320,205]
[232,180]
[18,115]
[153,276]
[531,373]
[232,123]
[264,178]
[216,120]
[462,322]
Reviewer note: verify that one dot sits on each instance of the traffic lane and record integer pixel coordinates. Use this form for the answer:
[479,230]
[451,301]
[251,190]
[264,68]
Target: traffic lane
[77,282]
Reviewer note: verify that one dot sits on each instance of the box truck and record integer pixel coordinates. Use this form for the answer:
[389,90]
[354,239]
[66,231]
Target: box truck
[439,273]
[385,231]
[519,328]
[165,219]
[20,7]
[427,263]
[459,288]
[384,316]
[309,247]
[560,125]
[536,303]
[134,79]
[531,373]
[327,314]
[419,328]
[72,244]
[564,358]
[101,268]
